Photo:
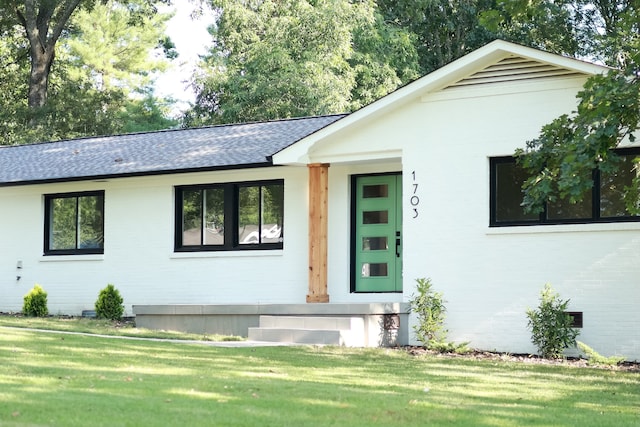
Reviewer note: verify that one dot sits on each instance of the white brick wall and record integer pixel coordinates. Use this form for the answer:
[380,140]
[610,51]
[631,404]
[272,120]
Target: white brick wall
[139,258]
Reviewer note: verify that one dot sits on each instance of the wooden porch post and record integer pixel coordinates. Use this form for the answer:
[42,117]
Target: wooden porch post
[318,211]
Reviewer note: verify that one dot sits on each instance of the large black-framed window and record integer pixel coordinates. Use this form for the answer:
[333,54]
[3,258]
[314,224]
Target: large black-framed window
[604,202]
[230,216]
[74,223]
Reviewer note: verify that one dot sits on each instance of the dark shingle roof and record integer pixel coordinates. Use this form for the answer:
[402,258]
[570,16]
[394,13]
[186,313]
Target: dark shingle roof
[172,151]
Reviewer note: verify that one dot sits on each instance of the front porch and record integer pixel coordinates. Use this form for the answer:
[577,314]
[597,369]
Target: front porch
[370,325]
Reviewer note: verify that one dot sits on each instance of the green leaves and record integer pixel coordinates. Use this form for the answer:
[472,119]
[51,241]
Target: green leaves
[109,304]
[35,302]
[429,306]
[550,325]
[100,81]
[280,59]
[562,158]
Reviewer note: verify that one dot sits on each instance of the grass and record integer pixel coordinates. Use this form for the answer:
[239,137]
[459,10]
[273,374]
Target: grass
[76,380]
[103,327]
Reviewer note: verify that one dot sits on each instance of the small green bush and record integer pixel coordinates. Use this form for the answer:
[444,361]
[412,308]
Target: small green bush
[550,325]
[595,358]
[35,302]
[430,308]
[109,304]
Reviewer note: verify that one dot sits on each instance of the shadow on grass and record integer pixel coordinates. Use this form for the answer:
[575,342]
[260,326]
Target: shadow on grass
[77,380]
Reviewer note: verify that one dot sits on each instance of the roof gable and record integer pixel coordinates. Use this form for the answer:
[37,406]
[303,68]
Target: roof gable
[153,153]
[496,63]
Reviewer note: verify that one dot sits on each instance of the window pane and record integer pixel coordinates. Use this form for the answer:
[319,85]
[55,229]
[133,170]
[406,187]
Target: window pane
[63,223]
[508,191]
[374,269]
[90,222]
[374,243]
[272,213]
[563,209]
[225,216]
[374,191]
[375,217]
[612,188]
[248,215]
[214,216]
[192,217]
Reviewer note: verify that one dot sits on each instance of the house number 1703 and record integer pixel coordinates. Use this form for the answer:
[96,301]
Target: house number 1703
[414,200]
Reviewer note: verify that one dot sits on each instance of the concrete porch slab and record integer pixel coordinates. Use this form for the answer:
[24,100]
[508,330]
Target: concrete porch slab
[385,324]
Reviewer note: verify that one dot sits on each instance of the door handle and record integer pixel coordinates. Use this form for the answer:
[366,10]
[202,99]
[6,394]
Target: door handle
[397,244]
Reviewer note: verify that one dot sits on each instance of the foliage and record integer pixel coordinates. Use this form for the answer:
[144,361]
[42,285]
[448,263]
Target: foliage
[278,59]
[560,161]
[100,84]
[112,52]
[550,325]
[442,346]
[109,304]
[549,25]
[443,30]
[596,358]
[35,302]
[430,309]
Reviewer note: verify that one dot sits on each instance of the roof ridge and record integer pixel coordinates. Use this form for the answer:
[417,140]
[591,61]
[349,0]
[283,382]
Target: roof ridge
[161,131]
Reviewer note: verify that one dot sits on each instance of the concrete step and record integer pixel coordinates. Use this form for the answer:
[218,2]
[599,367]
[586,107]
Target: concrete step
[342,331]
[311,322]
[299,336]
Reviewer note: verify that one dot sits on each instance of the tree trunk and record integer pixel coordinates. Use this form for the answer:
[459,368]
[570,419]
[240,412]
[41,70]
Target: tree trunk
[41,61]
[43,23]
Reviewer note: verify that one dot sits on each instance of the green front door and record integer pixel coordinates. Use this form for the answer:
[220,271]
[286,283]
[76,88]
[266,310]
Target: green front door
[377,239]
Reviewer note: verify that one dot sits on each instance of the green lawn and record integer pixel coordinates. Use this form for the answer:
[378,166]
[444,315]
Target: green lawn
[102,327]
[52,379]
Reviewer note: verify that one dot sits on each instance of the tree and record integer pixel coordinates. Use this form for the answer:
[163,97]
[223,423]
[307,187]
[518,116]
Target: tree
[560,161]
[43,23]
[13,83]
[113,46]
[444,30]
[277,59]
[551,25]
[105,61]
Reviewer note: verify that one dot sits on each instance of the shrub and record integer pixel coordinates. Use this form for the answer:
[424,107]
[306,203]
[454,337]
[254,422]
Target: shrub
[35,302]
[595,358]
[550,325]
[430,308]
[109,304]
[430,331]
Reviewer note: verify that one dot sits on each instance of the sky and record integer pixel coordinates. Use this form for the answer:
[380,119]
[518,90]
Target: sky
[191,38]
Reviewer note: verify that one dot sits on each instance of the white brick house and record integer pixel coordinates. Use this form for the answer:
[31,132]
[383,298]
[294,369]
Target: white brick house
[332,215]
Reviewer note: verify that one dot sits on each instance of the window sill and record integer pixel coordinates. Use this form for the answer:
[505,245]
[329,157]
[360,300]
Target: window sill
[565,228]
[63,258]
[226,254]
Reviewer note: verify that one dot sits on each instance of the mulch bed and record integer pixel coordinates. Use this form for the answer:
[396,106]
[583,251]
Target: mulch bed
[523,358]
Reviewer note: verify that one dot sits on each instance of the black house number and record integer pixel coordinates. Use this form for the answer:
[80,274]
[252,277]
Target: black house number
[414,200]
